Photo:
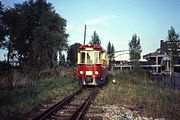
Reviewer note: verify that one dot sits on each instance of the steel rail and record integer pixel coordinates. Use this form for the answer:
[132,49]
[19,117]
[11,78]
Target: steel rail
[78,114]
[46,114]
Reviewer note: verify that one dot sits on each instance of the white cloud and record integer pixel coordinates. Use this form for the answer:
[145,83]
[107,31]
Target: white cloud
[100,21]
[76,32]
[73,27]
[76,29]
[97,22]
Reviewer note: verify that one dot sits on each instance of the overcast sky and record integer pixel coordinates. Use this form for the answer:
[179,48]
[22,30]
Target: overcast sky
[117,20]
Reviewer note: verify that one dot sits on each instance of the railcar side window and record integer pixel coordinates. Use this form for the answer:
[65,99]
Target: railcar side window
[82,57]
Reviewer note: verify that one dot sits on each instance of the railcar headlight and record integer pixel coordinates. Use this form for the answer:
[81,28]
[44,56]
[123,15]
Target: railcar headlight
[96,72]
[114,81]
[81,72]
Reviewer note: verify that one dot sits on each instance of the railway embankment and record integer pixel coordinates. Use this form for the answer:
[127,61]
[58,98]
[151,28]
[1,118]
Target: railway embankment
[127,95]
[133,95]
[16,102]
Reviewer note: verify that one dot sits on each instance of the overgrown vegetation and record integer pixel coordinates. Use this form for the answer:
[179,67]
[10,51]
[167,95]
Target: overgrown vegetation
[136,91]
[16,102]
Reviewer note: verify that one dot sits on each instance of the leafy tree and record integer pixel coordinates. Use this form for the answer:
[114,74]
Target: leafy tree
[3,31]
[61,59]
[109,48]
[95,39]
[5,43]
[110,51]
[135,49]
[72,53]
[173,37]
[1,24]
[35,34]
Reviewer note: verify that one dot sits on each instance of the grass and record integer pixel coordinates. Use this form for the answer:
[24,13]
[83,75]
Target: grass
[136,91]
[17,102]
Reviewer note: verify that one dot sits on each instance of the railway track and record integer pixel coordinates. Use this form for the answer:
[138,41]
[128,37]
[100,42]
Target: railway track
[72,107]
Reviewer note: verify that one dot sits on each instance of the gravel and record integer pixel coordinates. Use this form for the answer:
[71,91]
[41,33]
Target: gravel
[114,112]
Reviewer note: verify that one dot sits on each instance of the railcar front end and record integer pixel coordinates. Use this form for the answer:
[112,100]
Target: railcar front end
[92,67]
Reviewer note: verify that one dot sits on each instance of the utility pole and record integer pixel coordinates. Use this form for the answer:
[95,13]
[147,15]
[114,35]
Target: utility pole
[85,35]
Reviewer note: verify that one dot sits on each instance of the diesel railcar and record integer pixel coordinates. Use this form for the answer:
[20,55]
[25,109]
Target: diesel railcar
[92,65]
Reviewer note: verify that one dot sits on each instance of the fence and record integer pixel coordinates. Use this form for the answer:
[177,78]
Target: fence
[166,80]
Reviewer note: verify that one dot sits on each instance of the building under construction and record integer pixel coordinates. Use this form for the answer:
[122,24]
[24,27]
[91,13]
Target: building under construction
[158,61]
[165,57]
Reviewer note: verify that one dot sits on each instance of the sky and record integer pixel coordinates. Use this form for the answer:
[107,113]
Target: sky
[117,20]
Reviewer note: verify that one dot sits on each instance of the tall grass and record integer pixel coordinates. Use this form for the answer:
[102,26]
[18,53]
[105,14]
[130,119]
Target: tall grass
[136,91]
[16,102]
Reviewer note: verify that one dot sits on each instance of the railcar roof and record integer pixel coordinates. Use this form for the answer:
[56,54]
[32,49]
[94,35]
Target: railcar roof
[95,47]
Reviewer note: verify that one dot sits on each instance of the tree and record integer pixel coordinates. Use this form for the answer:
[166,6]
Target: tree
[173,37]
[61,59]
[110,51]
[35,34]
[1,24]
[135,49]
[109,48]
[5,43]
[95,39]
[72,53]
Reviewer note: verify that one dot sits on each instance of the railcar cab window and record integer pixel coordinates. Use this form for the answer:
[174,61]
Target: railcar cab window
[82,57]
[96,57]
[89,57]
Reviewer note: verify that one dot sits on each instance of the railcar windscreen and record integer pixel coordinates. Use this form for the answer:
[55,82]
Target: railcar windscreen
[82,57]
[96,57]
[89,57]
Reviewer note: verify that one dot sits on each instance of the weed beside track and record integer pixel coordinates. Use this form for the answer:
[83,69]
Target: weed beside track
[16,103]
[136,91]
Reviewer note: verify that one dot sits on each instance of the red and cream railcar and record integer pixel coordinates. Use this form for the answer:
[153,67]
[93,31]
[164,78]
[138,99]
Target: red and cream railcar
[92,65]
